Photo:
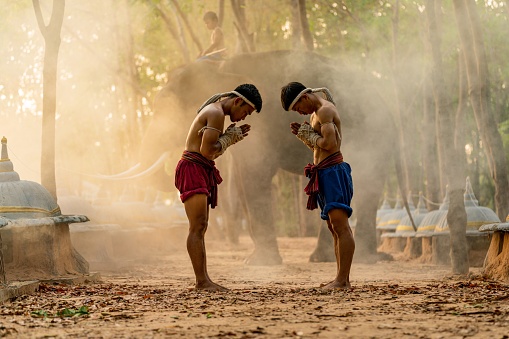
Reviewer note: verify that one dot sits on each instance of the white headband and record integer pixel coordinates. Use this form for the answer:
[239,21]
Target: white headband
[218,96]
[324,90]
[245,99]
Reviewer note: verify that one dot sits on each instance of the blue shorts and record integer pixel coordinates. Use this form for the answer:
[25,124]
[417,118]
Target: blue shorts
[336,189]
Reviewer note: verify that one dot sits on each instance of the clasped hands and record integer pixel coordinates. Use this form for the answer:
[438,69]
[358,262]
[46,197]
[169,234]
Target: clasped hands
[305,133]
[232,135]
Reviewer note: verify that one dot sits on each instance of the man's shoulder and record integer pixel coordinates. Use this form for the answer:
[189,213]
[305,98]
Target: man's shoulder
[211,109]
[212,112]
[327,112]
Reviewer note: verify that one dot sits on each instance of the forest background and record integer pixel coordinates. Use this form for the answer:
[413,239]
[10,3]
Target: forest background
[115,55]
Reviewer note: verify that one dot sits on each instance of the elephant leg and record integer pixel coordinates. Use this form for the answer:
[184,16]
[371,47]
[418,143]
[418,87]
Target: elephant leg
[324,250]
[261,224]
[231,210]
[231,207]
[232,222]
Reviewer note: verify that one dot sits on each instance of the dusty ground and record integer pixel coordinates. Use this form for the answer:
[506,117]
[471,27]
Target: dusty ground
[150,299]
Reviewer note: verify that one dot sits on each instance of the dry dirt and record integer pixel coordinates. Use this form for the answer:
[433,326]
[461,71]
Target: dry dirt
[151,299]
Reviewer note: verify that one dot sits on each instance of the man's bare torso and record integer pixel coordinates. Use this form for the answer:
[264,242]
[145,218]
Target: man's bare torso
[319,121]
[196,134]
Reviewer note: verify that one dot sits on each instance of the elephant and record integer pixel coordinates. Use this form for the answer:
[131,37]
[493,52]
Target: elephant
[369,139]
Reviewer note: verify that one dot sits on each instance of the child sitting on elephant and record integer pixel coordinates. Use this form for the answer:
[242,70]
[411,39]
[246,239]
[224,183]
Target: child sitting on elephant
[196,176]
[216,50]
[330,184]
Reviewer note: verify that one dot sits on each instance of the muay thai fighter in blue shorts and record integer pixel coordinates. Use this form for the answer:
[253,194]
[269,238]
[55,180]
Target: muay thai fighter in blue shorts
[330,181]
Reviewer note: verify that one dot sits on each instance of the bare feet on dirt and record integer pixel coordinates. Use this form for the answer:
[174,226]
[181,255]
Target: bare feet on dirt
[336,285]
[210,286]
[151,299]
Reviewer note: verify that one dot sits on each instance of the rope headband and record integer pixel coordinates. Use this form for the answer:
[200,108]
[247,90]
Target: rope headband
[324,90]
[218,96]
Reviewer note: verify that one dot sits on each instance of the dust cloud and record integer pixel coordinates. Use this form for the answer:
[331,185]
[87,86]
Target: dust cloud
[107,140]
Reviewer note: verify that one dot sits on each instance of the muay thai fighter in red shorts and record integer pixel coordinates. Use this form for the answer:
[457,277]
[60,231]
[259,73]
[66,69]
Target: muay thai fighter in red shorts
[196,176]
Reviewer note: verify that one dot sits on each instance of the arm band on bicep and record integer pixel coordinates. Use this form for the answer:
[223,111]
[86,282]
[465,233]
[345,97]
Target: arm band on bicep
[202,130]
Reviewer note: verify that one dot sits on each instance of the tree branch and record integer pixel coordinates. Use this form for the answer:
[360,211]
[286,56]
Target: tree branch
[38,16]
[188,26]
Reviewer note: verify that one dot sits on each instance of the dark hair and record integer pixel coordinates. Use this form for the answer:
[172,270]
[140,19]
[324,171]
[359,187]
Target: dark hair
[210,16]
[251,93]
[290,92]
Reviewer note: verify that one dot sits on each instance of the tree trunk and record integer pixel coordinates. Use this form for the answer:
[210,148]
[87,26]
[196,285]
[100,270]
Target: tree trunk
[304,26]
[183,16]
[181,36]
[128,90]
[401,120]
[429,148]
[238,7]
[296,29]
[220,13]
[461,130]
[456,214]
[173,31]
[469,29]
[51,34]
[404,126]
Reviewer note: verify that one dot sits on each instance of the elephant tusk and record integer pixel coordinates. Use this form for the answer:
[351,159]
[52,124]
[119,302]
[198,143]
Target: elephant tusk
[128,174]
[124,174]
[149,171]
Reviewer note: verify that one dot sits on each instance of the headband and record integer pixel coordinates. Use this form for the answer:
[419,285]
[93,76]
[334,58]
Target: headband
[218,96]
[324,90]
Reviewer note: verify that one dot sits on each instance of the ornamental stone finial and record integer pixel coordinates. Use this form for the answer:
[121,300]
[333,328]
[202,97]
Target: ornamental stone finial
[5,156]
[6,167]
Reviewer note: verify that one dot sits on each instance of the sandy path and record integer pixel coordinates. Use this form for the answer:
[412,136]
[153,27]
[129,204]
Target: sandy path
[150,299]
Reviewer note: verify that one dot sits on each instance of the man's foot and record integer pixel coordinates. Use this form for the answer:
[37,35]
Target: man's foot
[325,284]
[336,285]
[210,286]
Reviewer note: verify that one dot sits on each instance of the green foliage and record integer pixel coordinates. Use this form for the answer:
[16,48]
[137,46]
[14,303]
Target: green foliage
[70,312]
[39,314]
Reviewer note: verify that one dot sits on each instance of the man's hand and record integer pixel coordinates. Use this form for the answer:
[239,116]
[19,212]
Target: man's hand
[306,134]
[245,129]
[231,136]
[295,127]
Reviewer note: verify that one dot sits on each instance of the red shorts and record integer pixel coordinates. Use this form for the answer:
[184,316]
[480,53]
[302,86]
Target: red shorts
[192,178]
